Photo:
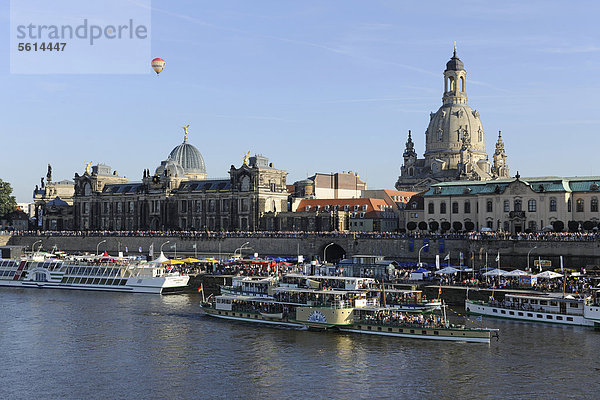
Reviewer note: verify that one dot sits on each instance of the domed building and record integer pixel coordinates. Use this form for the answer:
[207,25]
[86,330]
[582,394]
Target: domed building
[190,159]
[454,141]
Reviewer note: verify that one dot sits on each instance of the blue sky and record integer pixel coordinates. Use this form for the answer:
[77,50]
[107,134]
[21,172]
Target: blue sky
[317,86]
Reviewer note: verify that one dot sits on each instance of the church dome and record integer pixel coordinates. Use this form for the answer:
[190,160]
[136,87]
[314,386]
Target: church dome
[449,125]
[189,158]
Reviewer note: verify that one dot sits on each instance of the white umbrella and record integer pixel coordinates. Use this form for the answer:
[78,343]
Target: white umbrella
[548,275]
[495,272]
[160,259]
[516,272]
[446,271]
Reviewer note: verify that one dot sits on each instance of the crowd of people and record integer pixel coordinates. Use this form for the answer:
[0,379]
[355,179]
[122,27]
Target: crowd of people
[183,234]
[389,317]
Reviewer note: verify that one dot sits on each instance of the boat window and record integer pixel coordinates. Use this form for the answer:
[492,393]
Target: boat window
[529,314]
[494,310]
[401,330]
[412,331]
[436,332]
[368,327]
[123,282]
[558,317]
[511,312]
[553,303]
[520,314]
[424,332]
[539,315]
[548,316]
[569,318]
[574,305]
[532,301]
[523,300]
[543,302]
[502,311]
[390,329]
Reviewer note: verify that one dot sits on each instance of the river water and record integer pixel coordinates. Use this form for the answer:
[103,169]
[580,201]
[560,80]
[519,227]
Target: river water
[57,344]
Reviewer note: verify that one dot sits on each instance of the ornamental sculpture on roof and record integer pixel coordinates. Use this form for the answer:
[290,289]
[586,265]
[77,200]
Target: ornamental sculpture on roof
[247,158]
[185,130]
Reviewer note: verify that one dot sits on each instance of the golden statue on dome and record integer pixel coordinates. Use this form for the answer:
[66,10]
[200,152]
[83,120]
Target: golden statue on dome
[247,158]
[87,167]
[185,130]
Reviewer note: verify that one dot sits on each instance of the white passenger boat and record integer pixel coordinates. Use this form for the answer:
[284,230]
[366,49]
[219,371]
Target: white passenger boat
[120,275]
[552,308]
[348,311]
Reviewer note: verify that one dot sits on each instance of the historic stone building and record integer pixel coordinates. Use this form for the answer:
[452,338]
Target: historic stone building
[179,196]
[53,203]
[454,141]
[511,205]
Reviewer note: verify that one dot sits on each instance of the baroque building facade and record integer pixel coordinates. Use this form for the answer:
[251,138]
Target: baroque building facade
[454,141]
[179,196]
[509,205]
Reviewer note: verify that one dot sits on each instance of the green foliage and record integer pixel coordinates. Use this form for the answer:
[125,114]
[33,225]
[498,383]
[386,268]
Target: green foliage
[7,202]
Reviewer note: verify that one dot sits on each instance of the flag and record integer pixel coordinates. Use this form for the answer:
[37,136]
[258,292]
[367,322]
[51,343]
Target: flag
[540,263]
[498,256]
[200,288]
[140,249]
[126,249]
[194,246]
[447,258]
[561,264]
[461,258]
[174,246]
[437,261]
[151,250]
[440,290]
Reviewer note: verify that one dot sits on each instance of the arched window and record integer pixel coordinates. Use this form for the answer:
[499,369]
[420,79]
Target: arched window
[552,205]
[443,208]
[451,84]
[594,204]
[579,206]
[518,205]
[431,208]
[506,206]
[462,83]
[489,206]
[455,207]
[467,206]
[531,205]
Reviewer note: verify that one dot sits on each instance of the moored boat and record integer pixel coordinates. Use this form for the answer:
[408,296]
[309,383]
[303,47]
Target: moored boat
[347,311]
[550,308]
[119,275]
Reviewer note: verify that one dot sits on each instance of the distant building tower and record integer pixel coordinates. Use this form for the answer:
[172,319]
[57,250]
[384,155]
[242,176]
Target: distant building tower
[454,140]
[500,167]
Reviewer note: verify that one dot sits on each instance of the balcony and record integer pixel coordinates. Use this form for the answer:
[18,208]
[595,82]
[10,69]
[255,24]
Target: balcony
[517,214]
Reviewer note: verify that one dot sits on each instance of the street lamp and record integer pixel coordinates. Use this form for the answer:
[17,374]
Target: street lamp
[161,246]
[324,250]
[33,245]
[98,245]
[528,253]
[240,249]
[425,245]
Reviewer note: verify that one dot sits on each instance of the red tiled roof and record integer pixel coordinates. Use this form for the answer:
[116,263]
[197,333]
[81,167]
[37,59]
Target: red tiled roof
[372,204]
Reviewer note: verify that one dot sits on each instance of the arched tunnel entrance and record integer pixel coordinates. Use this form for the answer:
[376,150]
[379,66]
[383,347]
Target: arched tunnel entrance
[332,252]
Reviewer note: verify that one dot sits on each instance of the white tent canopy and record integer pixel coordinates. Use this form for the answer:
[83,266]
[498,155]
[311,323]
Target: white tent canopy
[447,271]
[548,275]
[161,258]
[496,272]
[516,272]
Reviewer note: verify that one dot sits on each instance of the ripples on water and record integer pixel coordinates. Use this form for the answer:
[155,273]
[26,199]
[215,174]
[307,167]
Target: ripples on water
[70,344]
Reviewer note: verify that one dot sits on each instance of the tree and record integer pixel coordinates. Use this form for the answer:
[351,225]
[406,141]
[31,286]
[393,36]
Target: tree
[7,202]
[588,225]
[573,226]
[434,226]
[457,225]
[411,226]
[558,226]
[469,226]
[446,226]
[422,225]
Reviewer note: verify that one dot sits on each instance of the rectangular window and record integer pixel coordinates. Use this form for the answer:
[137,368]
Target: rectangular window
[467,207]
[506,206]
[455,208]
[183,206]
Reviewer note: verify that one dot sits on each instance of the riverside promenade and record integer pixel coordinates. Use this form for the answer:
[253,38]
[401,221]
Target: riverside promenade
[578,251]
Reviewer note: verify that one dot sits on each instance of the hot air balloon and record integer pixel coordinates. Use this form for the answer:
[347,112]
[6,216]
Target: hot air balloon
[157,65]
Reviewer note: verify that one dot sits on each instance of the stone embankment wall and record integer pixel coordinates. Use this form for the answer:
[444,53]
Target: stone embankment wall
[513,253]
